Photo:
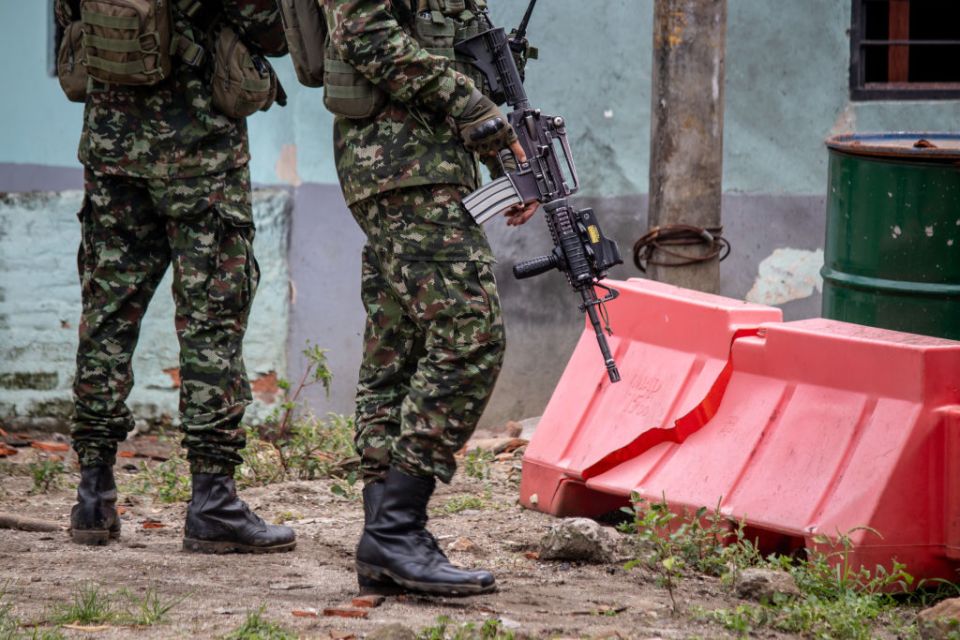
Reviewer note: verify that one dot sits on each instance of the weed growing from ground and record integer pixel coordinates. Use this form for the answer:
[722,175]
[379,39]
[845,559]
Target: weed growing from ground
[256,627]
[445,629]
[90,606]
[167,482]
[293,444]
[46,474]
[478,464]
[150,609]
[672,545]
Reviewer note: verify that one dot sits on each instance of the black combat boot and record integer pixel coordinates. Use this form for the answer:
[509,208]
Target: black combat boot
[372,496]
[94,520]
[220,522]
[396,546]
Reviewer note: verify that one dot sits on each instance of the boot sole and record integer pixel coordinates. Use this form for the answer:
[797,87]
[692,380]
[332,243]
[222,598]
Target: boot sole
[94,537]
[370,587]
[211,546]
[381,575]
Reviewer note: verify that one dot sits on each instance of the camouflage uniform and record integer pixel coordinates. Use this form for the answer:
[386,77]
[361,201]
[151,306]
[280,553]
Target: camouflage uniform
[167,182]
[434,336]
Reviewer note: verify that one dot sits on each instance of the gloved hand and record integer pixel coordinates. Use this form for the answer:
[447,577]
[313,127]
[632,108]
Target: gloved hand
[483,127]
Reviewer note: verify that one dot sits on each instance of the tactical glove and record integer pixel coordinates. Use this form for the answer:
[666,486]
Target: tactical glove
[483,127]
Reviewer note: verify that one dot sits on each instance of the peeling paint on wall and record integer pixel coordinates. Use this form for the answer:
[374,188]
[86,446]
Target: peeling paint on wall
[287,166]
[786,275]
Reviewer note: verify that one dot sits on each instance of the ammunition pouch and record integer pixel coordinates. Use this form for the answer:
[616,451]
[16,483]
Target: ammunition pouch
[243,82]
[71,72]
[437,26]
[305,29]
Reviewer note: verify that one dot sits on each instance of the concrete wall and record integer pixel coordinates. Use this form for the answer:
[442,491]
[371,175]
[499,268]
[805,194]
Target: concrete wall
[40,310]
[786,90]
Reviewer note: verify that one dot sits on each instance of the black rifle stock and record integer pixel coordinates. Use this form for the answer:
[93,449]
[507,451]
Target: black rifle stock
[549,176]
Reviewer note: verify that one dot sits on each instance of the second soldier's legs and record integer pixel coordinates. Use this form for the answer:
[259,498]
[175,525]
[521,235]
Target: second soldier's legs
[433,348]
[392,346]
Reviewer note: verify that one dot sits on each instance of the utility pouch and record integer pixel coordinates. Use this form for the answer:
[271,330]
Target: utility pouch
[127,42]
[243,82]
[71,71]
[347,92]
[436,33]
[305,28]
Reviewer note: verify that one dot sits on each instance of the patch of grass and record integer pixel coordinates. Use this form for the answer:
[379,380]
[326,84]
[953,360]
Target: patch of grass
[466,501]
[9,625]
[445,629]
[839,599]
[47,474]
[256,627]
[89,606]
[478,464]
[149,609]
[12,629]
[849,617]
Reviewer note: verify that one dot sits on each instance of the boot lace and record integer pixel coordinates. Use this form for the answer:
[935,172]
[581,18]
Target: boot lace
[429,540]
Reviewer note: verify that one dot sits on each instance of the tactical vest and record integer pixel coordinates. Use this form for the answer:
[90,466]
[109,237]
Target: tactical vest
[133,42]
[436,25]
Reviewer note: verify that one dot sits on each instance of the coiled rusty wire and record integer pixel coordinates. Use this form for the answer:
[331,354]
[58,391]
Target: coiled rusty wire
[665,238]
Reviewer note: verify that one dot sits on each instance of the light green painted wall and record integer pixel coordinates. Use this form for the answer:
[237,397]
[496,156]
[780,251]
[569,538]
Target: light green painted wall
[786,90]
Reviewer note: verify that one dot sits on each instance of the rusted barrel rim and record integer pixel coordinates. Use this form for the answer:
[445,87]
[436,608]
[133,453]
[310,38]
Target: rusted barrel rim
[908,145]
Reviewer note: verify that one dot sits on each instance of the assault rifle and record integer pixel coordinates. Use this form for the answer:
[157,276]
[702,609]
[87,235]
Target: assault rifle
[549,176]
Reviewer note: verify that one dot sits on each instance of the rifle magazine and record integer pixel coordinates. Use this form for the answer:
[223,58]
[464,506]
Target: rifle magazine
[492,199]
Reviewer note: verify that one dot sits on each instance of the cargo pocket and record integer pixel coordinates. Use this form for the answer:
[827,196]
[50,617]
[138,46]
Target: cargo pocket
[474,314]
[86,255]
[236,273]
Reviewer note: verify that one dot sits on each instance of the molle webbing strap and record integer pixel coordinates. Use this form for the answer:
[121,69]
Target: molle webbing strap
[355,92]
[130,23]
[338,66]
[125,68]
[112,44]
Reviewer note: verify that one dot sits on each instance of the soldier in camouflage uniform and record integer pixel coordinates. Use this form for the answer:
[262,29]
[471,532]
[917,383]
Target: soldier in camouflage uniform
[167,182]
[434,337]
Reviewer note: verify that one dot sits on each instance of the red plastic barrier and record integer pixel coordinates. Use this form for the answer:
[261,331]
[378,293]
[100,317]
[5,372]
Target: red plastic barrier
[671,344]
[821,427]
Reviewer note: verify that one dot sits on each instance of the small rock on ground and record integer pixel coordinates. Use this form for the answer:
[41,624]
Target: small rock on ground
[940,621]
[393,631]
[579,539]
[763,584]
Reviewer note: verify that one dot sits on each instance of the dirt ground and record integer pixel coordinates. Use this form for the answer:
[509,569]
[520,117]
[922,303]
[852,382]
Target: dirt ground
[535,598]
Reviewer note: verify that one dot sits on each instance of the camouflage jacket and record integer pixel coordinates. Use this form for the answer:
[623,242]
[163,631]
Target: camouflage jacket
[171,130]
[412,141]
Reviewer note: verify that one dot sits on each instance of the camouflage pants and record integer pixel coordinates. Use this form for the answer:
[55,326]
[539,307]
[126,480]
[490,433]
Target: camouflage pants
[434,337]
[132,230]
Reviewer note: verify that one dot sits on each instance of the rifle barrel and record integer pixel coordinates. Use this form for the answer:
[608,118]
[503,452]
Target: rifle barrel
[522,29]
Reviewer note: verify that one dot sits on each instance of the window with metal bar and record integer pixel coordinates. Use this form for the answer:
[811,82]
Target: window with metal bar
[905,49]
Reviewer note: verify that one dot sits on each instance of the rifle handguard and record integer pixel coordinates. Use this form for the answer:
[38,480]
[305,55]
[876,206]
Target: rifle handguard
[534,266]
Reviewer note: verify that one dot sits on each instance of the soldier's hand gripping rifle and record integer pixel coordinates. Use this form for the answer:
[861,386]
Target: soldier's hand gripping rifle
[549,176]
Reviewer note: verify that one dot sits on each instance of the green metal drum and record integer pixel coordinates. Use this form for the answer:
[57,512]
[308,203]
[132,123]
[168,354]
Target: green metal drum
[892,256]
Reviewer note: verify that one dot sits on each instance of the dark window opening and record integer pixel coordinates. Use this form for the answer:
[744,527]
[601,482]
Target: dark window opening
[907,49]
